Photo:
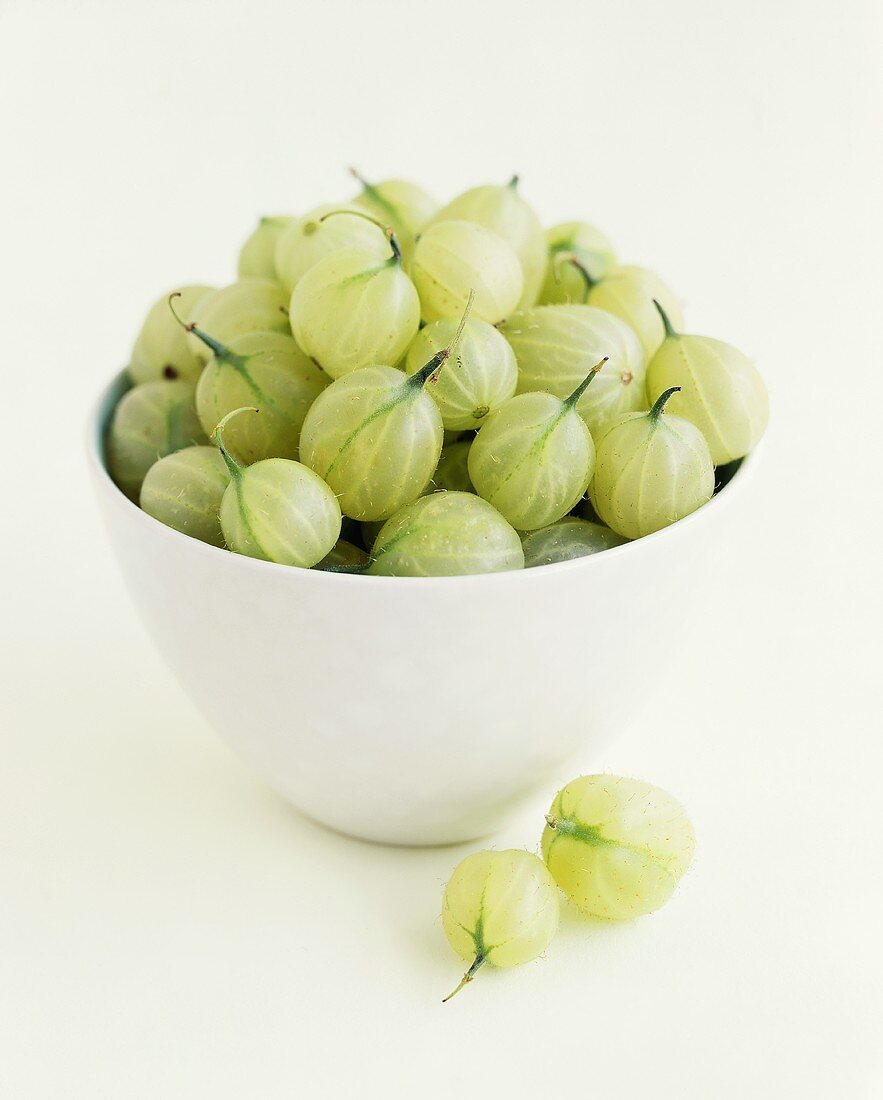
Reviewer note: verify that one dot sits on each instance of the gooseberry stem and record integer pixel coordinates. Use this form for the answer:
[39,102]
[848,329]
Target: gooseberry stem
[219,350]
[660,402]
[669,327]
[420,377]
[583,386]
[467,977]
[359,178]
[387,229]
[513,183]
[218,436]
[373,193]
[574,260]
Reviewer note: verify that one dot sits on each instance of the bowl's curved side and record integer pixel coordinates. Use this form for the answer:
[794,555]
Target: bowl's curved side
[419,711]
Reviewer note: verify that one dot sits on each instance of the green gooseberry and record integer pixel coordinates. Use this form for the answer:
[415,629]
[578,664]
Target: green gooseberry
[184,491]
[277,509]
[651,470]
[499,908]
[161,349]
[617,847]
[149,422]
[344,557]
[257,257]
[720,390]
[502,210]
[370,529]
[565,540]
[594,252]
[446,534]
[533,458]
[353,309]
[311,238]
[482,376]
[452,471]
[454,259]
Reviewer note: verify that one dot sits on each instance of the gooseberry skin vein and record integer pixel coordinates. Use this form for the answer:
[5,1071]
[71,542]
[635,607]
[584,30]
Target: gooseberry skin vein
[381,410]
[247,542]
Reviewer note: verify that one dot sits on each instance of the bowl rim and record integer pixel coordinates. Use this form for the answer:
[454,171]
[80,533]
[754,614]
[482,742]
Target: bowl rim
[102,407]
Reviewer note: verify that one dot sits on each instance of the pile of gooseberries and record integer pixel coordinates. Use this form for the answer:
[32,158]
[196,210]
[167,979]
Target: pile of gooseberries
[394,387]
[616,847]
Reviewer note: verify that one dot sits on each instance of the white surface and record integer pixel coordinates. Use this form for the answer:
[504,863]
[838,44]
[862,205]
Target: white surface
[423,710]
[171,929]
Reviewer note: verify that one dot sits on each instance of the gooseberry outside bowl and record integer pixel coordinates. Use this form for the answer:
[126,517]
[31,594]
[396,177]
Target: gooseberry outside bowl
[413,710]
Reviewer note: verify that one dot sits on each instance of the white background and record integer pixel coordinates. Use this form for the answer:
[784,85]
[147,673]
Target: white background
[168,927]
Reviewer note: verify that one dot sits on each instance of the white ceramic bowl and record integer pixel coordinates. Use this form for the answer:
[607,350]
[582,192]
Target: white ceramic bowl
[413,710]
